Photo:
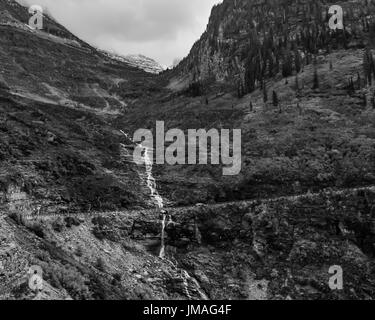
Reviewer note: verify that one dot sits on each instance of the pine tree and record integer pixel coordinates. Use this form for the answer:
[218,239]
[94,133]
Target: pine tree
[350,87]
[100,264]
[299,109]
[364,99]
[359,81]
[297,61]
[265,93]
[372,34]
[297,84]
[239,92]
[368,63]
[275,99]
[316,79]
[307,59]
[287,65]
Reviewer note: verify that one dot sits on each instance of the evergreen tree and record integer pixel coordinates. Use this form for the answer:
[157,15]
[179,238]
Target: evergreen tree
[265,93]
[364,99]
[287,65]
[359,81]
[316,80]
[100,265]
[251,107]
[299,109]
[275,99]
[297,61]
[297,85]
[277,64]
[368,64]
[239,92]
[351,88]
[372,33]
[308,58]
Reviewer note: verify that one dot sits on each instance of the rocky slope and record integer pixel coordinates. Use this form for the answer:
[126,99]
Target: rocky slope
[139,61]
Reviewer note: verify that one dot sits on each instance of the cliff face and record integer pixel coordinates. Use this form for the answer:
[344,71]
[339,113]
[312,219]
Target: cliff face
[248,41]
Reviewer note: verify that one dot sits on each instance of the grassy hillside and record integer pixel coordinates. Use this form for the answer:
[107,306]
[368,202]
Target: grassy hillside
[315,138]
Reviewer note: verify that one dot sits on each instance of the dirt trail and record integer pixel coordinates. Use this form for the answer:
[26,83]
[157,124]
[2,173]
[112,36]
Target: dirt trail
[175,210]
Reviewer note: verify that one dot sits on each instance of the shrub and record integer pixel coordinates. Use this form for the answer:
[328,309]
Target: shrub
[100,264]
[37,229]
[58,225]
[79,252]
[72,221]
[18,218]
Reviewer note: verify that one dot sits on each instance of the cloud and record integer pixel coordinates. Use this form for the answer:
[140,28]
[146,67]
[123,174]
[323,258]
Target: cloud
[161,29]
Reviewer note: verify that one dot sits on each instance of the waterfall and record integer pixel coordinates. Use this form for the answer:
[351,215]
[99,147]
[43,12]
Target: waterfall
[162,246]
[151,182]
[186,278]
[148,160]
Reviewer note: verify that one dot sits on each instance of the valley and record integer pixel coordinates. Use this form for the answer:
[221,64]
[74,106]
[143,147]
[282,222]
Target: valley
[74,202]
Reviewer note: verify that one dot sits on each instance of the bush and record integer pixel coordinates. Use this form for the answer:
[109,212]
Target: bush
[117,278]
[18,218]
[79,252]
[72,221]
[100,264]
[37,229]
[58,225]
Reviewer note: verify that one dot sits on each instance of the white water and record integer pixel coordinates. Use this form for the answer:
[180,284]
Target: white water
[186,279]
[147,158]
[162,246]
[151,182]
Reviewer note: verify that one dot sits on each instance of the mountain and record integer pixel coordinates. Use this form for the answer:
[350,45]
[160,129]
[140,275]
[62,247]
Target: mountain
[139,61]
[74,204]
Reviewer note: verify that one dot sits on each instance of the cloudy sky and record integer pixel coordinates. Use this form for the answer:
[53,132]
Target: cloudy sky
[161,29]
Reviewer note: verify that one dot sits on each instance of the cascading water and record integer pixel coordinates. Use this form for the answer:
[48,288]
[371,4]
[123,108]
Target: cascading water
[147,159]
[162,246]
[151,182]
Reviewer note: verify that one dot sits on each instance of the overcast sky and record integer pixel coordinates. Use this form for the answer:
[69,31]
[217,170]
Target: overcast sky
[160,29]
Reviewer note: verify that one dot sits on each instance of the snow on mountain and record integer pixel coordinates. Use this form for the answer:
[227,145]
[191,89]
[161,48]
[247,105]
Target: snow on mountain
[137,60]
